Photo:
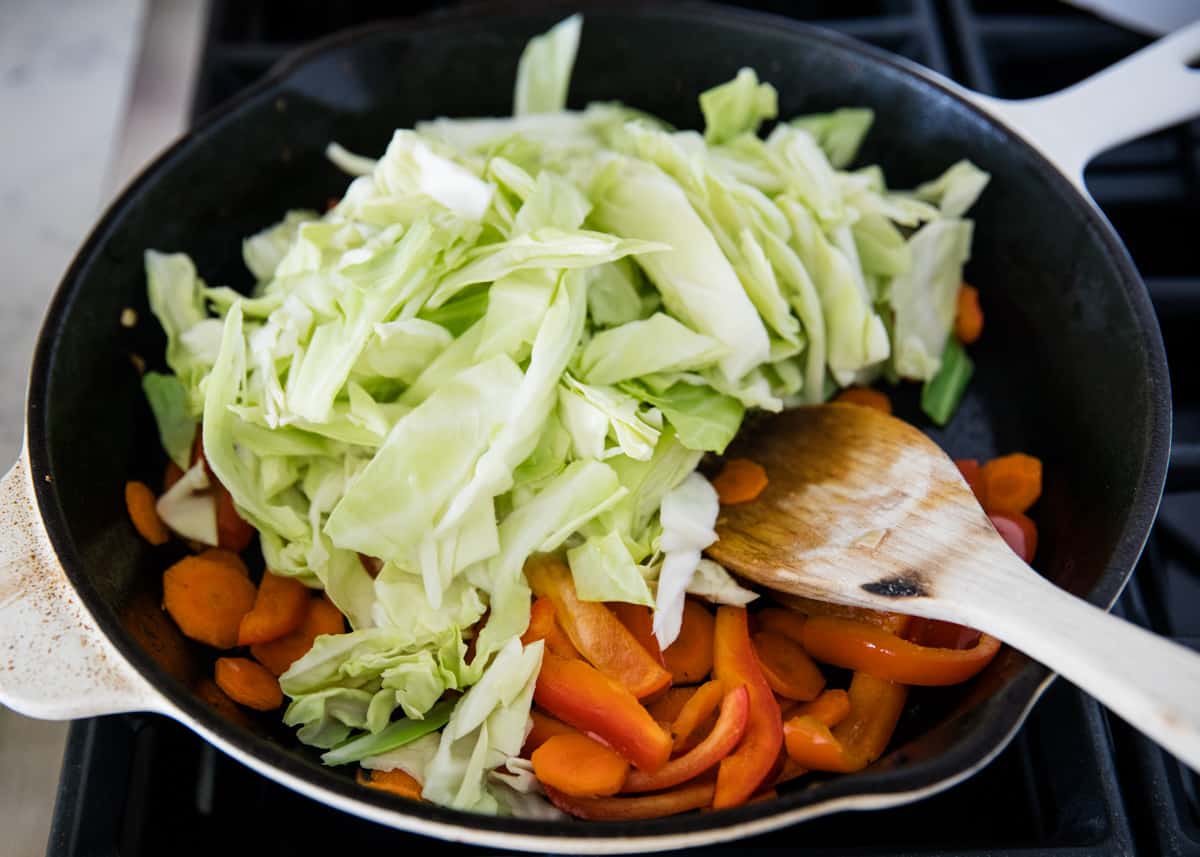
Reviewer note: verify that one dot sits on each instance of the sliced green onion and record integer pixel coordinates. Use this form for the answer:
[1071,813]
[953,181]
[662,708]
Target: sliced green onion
[390,737]
[941,394]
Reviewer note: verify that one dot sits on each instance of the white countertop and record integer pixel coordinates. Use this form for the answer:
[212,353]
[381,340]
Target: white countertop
[65,68]
[65,71]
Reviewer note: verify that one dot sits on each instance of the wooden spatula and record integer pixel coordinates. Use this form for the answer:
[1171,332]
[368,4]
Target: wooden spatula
[863,509]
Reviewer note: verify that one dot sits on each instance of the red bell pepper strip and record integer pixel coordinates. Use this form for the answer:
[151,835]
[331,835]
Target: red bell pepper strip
[685,798]
[860,739]
[831,708]
[973,474]
[721,741]
[579,694]
[734,663]
[858,646]
[543,625]
[897,623]
[1018,531]
[595,631]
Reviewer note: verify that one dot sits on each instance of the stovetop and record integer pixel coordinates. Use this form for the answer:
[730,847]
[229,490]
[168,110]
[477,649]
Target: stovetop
[1075,781]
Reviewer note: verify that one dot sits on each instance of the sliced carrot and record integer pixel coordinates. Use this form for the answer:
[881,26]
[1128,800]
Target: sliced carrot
[740,481]
[968,316]
[544,728]
[639,621]
[280,607]
[666,706]
[207,600]
[787,667]
[780,620]
[830,708]
[543,625]
[139,500]
[278,655]
[578,766]
[695,713]
[973,474]
[690,657]
[865,397]
[220,702]
[1012,483]
[225,557]
[395,782]
[248,683]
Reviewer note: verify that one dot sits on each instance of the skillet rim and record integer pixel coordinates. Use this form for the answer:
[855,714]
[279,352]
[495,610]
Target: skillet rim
[869,789]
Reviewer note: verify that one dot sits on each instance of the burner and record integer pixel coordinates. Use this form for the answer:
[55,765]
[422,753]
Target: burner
[1075,780]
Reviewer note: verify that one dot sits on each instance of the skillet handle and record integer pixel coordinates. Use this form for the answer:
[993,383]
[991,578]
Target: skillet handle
[1144,92]
[55,663]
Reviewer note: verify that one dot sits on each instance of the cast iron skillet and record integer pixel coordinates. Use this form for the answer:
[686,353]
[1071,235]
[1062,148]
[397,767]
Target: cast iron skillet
[1071,368]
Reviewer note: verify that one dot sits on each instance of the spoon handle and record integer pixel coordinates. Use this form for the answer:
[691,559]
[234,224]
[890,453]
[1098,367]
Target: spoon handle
[1151,682]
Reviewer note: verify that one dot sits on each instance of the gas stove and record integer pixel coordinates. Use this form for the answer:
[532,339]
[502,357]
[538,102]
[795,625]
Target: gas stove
[1075,781]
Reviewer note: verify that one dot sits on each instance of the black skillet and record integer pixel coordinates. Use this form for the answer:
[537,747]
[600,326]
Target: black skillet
[1071,367]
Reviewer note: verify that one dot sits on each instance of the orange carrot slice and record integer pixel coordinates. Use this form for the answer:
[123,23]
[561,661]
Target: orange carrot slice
[139,500]
[278,655]
[865,397]
[787,667]
[1012,483]
[578,766]
[207,600]
[248,683]
[740,481]
[968,316]
[279,609]
[225,557]
[690,657]
[395,782]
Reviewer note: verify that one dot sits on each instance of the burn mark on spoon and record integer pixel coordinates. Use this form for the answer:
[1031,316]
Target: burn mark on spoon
[907,585]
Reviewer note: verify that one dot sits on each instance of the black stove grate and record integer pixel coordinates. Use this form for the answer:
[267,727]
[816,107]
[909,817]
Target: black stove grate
[1074,782]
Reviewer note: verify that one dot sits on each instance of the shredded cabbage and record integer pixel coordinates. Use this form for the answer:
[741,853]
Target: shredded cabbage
[516,335]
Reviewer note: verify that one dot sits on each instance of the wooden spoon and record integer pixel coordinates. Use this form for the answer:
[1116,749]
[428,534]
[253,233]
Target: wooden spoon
[864,509]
